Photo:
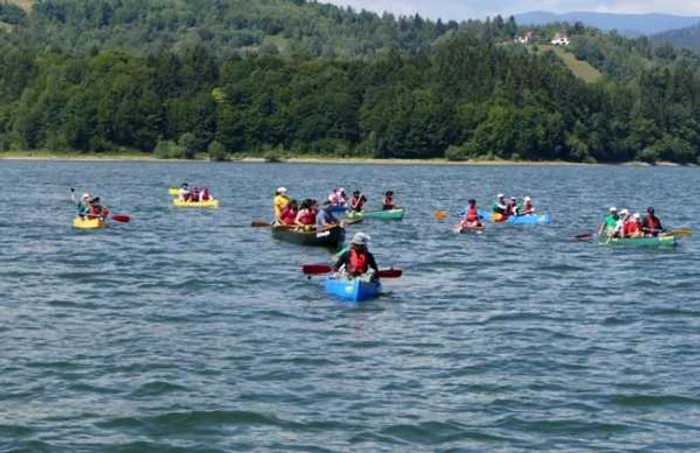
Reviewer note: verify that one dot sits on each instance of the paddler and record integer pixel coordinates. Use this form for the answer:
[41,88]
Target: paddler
[388,202]
[289,213]
[357,201]
[96,209]
[611,224]
[512,208]
[306,217]
[325,219]
[471,217]
[652,224]
[280,201]
[632,227]
[83,205]
[500,206]
[357,260]
[527,207]
[184,192]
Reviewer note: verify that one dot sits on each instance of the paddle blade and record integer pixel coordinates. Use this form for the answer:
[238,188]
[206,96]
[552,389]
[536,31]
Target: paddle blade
[259,224]
[682,232]
[174,191]
[316,269]
[584,237]
[352,221]
[440,215]
[390,273]
[121,218]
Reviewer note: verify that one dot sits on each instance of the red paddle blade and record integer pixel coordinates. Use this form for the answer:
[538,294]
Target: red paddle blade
[121,218]
[316,269]
[390,273]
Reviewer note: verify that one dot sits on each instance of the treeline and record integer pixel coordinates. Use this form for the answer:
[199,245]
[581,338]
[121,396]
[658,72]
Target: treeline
[465,94]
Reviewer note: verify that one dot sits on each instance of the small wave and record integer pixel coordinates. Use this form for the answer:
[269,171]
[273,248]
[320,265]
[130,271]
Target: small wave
[156,388]
[653,400]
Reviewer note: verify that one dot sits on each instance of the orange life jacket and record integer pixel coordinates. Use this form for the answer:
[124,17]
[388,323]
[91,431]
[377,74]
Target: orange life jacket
[308,217]
[359,263]
[288,215]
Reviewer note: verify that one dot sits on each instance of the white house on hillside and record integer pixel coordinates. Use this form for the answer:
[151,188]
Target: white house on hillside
[525,38]
[560,39]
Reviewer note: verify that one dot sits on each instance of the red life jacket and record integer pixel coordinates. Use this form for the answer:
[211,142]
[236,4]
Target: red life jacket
[288,215]
[359,263]
[472,214]
[652,223]
[308,217]
[630,228]
[388,203]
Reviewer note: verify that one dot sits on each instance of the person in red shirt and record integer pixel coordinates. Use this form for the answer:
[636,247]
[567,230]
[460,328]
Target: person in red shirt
[289,213]
[357,202]
[652,224]
[632,227]
[306,217]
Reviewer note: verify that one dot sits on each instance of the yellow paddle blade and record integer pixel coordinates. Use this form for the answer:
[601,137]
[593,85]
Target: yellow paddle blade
[681,232]
[440,215]
[174,191]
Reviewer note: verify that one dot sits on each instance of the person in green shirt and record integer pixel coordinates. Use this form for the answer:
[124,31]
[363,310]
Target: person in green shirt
[611,224]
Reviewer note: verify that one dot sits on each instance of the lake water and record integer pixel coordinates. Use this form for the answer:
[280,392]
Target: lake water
[189,331]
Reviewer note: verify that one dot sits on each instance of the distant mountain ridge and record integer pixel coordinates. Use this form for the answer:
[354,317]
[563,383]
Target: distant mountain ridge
[626,24]
[688,37]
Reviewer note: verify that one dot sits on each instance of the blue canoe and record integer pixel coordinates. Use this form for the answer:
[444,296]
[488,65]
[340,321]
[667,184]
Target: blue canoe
[528,219]
[352,290]
[339,209]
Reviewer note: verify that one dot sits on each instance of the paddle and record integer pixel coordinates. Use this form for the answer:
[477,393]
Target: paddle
[320,269]
[584,236]
[121,218]
[680,232]
[260,224]
[440,215]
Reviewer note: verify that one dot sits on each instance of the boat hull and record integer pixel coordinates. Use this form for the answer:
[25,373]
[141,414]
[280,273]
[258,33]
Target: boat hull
[469,230]
[528,219]
[652,242]
[391,214]
[89,224]
[196,204]
[332,238]
[355,290]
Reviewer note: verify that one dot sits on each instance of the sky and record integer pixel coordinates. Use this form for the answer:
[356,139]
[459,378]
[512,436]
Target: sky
[465,9]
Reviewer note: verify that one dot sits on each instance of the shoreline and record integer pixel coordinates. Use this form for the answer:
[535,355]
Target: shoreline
[116,157]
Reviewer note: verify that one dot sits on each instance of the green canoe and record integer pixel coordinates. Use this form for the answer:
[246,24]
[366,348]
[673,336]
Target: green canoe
[391,214]
[659,241]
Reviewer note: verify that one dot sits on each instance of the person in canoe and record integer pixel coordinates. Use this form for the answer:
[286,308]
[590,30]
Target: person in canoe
[184,194]
[280,201]
[337,197]
[289,213]
[527,207]
[632,227]
[500,206]
[204,194]
[357,201]
[513,208]
[83,205]
[356,260]
[306,217]
[471,218]
[651,225]
[611,225]
[325,219]
[388,202]
[97,211]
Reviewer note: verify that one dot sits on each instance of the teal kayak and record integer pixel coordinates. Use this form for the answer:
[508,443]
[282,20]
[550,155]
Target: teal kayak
[391,214]
[355,290]
[659,241]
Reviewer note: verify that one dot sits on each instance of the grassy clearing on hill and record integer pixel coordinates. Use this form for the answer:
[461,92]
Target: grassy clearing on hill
[26,5]
[581,69]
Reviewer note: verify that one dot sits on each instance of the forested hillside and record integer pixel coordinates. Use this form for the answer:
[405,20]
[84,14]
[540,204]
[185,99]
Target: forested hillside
[688,38]
[180,77]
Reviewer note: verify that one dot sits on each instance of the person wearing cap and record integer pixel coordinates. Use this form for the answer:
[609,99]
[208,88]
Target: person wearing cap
[325,218]
[388,202]
[280,201]
[632,227]
[500,206]
[611,224]
[527,207]
[357,201]
[652,225]
[512,208]
[357,260]
[84,207]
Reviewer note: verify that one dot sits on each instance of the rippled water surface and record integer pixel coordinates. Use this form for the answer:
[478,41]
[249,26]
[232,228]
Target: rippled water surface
[190,331]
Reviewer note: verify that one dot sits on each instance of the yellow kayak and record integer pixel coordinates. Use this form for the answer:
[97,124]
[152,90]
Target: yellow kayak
[89,224]
[196,204]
